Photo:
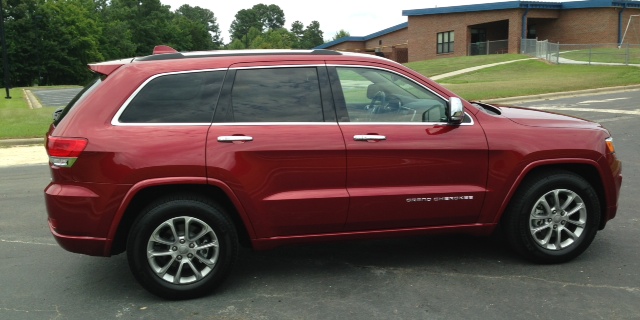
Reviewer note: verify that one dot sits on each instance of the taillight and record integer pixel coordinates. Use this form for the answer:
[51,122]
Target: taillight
[63,152]
[610,147]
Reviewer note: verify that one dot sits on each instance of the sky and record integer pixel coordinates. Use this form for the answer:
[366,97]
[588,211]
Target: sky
[359,18]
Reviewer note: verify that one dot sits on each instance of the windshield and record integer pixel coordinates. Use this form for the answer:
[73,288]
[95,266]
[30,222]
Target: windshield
[60,113]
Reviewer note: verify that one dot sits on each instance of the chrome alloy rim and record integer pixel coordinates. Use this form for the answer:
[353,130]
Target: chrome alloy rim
[182,250]
[558,219]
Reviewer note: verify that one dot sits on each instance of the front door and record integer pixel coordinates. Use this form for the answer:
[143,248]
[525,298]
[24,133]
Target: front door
[406,166]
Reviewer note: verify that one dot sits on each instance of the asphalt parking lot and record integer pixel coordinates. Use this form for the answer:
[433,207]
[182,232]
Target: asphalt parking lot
[417,278]
[55,97]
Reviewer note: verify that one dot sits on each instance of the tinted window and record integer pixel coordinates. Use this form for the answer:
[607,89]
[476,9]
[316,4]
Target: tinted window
[176,98]
[277,95]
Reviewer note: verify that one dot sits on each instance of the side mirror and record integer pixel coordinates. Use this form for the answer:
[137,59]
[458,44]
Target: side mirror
[456,110]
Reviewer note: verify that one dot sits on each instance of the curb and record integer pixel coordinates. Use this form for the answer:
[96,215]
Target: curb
[33,102]
[21,142]
[566,94]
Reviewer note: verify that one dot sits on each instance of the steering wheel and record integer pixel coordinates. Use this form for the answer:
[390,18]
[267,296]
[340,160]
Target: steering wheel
[380,97]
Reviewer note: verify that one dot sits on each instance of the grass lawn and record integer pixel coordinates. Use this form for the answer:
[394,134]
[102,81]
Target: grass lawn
[439,66]
[536,77]
[611,55]
[18,121]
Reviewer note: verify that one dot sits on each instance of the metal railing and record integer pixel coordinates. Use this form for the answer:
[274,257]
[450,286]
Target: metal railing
[602,54]
[489,47]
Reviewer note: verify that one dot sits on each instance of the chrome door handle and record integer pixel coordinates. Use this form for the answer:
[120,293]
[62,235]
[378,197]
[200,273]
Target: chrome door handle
[234,138]
[368,137]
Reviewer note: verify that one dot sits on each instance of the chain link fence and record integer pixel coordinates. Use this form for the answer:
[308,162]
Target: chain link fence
[606,53]
[489,47]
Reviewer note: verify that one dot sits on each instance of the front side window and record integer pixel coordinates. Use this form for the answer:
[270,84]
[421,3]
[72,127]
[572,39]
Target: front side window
[445,42]
[277,95]
[373,95]
[176,98]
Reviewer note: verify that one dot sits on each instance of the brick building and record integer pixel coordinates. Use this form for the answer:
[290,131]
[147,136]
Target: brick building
[496,28]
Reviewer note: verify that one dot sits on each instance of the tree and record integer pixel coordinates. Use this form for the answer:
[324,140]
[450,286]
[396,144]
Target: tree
[200,18]
[274,39]
[312,36]
[297,29]
[244,21]
[261,17]
[340,34]
[271,17]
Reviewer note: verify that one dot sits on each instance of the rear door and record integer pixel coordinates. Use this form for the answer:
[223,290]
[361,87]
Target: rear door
[406,166]
[276,142]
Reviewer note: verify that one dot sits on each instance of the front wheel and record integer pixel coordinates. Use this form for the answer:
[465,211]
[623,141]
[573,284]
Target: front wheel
[553,217]
[182,248]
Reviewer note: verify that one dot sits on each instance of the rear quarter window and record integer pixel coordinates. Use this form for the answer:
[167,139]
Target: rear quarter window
[176,98]
[277,95]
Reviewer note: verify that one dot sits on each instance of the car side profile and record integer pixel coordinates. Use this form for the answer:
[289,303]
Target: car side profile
[177,159]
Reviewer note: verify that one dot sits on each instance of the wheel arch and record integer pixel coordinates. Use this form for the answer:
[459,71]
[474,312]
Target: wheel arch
[141,194]
[585,168]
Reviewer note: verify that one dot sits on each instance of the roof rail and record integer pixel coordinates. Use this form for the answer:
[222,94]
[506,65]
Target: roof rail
[168,53]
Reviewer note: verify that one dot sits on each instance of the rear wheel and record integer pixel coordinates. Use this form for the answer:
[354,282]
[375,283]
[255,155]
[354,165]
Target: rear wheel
[182,248]
[553,217]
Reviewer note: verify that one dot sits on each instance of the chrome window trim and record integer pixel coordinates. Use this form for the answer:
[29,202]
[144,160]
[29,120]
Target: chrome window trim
[116,122]
[276,67]
[412,123]
[228,124]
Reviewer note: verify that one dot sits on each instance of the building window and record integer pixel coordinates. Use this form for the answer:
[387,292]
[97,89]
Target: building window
[445,42]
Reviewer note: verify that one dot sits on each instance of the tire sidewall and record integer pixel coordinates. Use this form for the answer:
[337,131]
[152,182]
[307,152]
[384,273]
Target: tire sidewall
[528,246]
[160,213]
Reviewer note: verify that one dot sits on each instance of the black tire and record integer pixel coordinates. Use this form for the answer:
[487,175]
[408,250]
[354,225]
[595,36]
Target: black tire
[550,233]
[193,250]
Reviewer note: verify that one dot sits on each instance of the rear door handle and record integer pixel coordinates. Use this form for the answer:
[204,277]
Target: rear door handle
[368,137]
[234,139]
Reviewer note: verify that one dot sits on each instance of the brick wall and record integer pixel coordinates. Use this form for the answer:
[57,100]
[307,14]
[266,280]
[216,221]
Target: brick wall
[393,39]
[423,31]
[584,26]
[385,42]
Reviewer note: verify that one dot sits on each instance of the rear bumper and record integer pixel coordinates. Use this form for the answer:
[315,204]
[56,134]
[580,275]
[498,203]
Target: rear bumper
[81,214]
[85,245]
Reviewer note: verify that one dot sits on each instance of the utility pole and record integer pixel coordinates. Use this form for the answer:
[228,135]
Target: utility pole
[5,60]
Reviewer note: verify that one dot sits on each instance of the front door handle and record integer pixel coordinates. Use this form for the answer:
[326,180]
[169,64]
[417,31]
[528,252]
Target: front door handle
[369,137]
[234,139]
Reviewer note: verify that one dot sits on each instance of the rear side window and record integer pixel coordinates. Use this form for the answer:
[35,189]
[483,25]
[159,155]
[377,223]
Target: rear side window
[90,87]
[176,98]
[277,95]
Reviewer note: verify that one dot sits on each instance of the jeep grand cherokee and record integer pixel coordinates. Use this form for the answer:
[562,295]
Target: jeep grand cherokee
[177,158]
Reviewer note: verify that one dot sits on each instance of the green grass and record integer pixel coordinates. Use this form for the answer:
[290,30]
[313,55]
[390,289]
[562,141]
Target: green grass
[440,66]
[536,77]
[610,55]
[18,121]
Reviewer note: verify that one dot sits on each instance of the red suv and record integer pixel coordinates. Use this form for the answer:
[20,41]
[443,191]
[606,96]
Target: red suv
[177,158]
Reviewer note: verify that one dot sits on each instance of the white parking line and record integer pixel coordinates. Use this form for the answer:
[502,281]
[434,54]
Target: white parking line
[617,111]
[602,101]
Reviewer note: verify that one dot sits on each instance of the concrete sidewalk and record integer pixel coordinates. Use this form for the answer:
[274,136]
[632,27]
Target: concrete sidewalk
[472,69]
[23,156]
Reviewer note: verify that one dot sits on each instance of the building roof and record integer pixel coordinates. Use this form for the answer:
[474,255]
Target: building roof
[524,5]
[380,33]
